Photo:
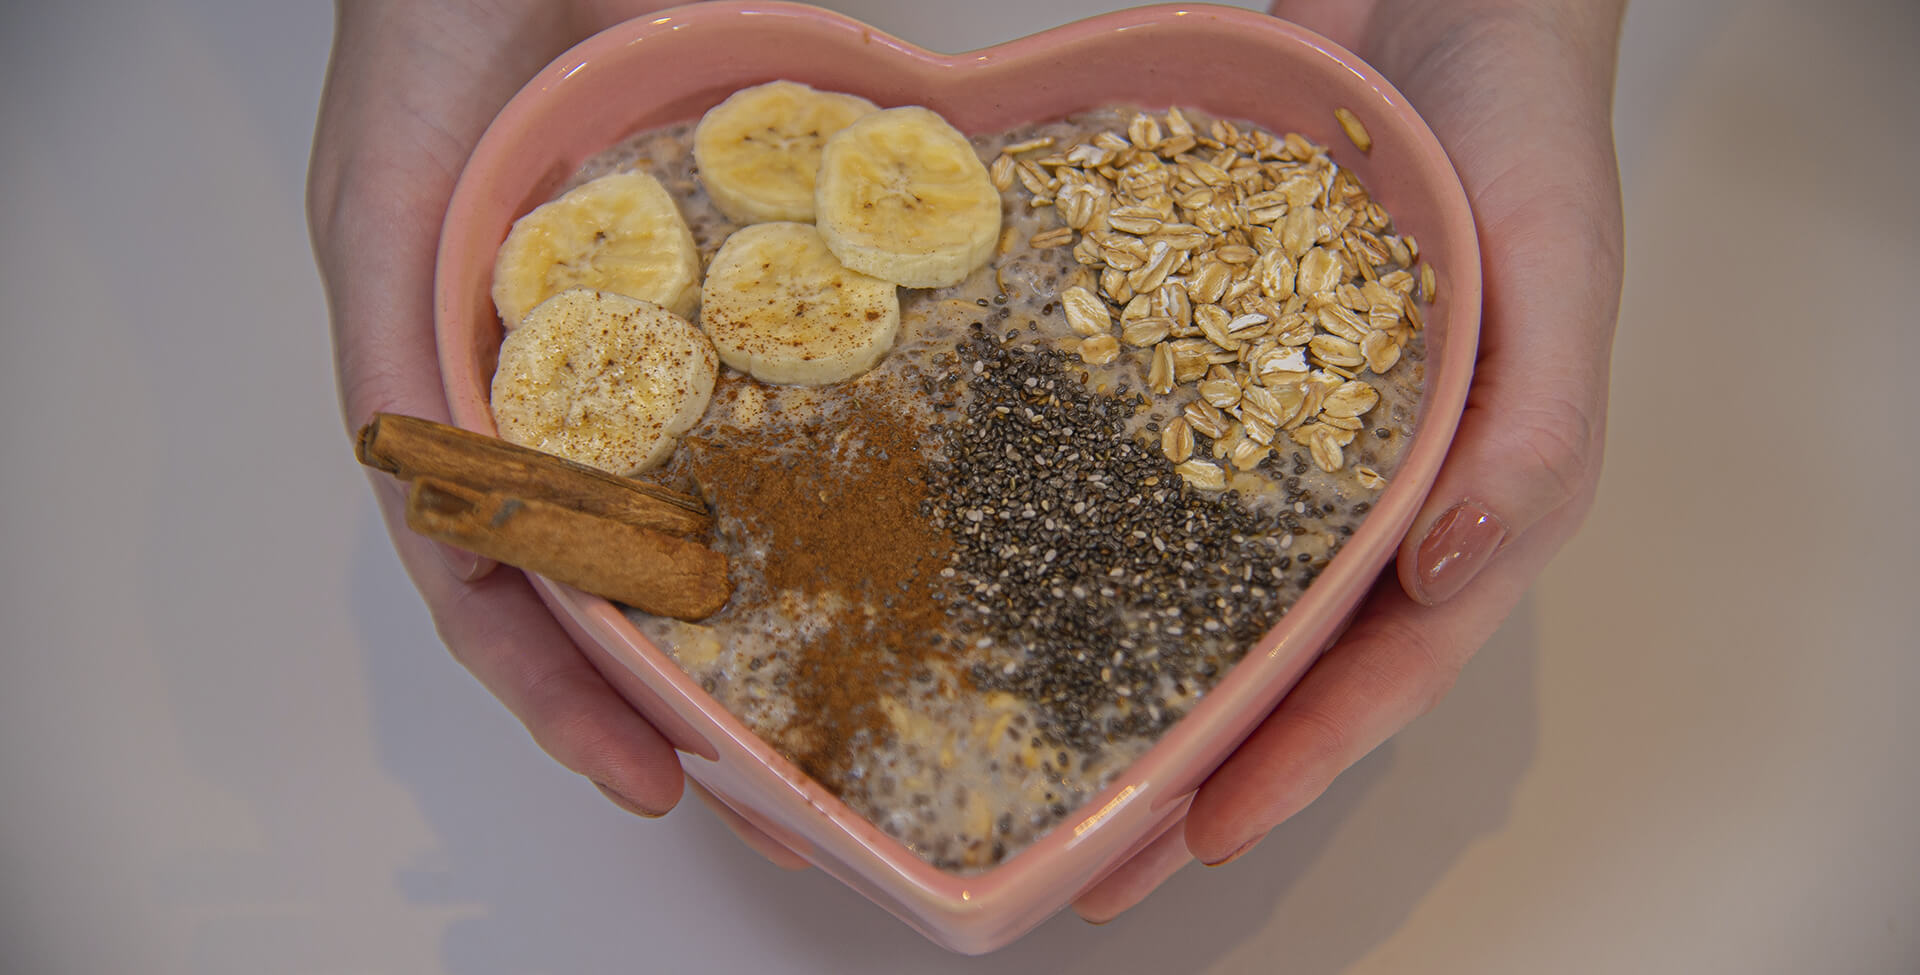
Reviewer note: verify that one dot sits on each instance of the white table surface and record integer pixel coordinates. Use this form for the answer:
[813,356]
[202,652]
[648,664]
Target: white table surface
[230,741]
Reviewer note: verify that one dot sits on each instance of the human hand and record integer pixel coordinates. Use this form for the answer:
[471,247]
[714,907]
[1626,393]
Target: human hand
[1520,94]
[413,84]
[410,88]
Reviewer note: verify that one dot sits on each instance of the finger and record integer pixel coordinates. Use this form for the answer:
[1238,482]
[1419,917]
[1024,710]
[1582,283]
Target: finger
[408,92]
[505,636]
[386,357]
[461,564]
[748,833]
[396,121]
[1396,662]
[1530,439]
[1143,873]
[1537,163]
[385,352]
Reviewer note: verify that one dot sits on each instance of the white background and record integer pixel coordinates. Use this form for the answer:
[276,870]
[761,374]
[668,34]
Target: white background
[231,743]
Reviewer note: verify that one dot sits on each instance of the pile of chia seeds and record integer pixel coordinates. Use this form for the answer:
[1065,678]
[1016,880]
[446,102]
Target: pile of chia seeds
[1106,589]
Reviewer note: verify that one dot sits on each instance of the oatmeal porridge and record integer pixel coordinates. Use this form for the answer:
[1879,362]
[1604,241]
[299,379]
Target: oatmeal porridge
[978,579]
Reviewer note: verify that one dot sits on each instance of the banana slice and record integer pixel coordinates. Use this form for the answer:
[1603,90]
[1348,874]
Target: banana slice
[620,233]
[903,196]
[781,308]
[602,379]
[758,151]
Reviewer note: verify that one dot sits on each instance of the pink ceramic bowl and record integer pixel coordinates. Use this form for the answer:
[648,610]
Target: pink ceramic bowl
[1226,61]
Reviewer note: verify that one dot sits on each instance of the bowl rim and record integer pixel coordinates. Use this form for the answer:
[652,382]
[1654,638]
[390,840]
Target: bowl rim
[1312,619]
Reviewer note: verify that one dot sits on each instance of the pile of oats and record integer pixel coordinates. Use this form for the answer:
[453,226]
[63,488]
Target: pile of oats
[1249,268]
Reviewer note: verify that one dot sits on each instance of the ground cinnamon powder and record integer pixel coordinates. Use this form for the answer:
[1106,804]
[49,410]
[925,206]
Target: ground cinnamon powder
[837,500]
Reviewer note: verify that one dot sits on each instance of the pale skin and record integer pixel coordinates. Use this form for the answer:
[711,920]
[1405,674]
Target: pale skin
[1520,94]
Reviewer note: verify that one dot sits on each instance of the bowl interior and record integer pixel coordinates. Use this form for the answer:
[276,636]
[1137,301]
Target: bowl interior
[1225,61]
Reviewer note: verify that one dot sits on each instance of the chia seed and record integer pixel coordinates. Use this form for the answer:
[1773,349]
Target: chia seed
[1033,438]
[1040,485]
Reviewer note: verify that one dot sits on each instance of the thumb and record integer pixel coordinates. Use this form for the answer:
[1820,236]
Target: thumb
[1535,156]
[1531,437]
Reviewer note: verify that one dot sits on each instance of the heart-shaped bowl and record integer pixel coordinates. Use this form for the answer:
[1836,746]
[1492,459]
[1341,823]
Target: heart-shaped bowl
[1225,61]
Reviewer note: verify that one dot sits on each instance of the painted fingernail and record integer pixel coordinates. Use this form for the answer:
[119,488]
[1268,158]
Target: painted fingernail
[1456,548]
[1236,854]
[625,803]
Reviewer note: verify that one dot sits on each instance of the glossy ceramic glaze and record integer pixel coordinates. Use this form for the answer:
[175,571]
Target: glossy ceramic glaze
[1226,61]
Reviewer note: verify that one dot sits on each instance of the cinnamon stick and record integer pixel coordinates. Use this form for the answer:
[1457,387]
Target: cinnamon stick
[410,448]
[646,568]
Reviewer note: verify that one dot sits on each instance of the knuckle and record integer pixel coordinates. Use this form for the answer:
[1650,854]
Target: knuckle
[1414,665]
[1552,442]
[552,696]
[565,729]
[1476,40]
[466,619]
[1325,739]
[371,383]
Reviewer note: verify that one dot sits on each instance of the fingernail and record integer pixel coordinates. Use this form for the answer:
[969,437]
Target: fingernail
[1236,854]
[1456,548]
[464,565]
[459,563]
[625,803]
